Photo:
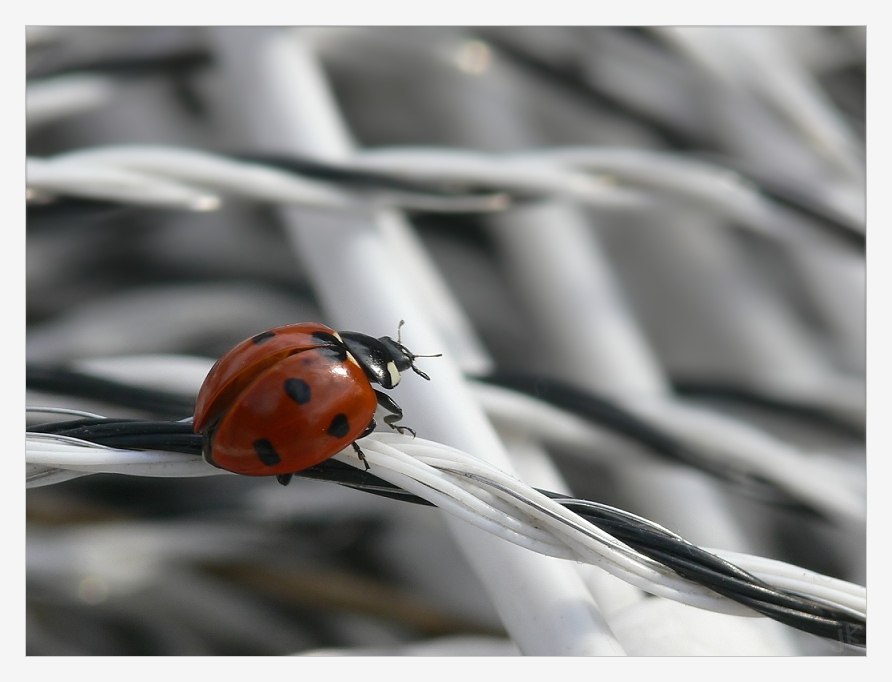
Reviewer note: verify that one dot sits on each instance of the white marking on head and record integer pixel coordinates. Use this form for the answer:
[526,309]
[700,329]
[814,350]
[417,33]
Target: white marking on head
[353,360]
[394,373]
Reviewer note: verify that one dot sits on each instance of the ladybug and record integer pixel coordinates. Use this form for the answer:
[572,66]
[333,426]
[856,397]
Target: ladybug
[291,397]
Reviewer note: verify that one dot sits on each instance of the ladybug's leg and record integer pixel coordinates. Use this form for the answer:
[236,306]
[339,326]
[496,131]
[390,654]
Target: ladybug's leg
[284,479]
[361,455]
[359,452]
[391,420]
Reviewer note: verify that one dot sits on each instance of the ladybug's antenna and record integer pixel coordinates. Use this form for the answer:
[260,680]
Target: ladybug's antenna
[410,354]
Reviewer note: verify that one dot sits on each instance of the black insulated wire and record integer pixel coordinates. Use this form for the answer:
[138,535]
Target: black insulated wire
[695,564]
[362,179]
[67,213]
[748,397]
[128,434]
[175,52]
[68,382]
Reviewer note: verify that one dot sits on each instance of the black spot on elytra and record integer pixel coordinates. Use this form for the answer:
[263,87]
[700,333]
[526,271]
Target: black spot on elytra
[263,336]
[298,390]
[339,426]
[266,452]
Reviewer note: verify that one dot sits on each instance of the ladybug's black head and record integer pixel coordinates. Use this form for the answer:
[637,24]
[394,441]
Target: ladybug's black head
[382,359]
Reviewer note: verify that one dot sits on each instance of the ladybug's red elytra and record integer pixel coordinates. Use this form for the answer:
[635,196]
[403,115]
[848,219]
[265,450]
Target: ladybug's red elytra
[291,397]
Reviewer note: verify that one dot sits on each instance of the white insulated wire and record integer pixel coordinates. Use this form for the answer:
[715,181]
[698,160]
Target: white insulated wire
[611,554]
[62,410]
[567,173]
[800,580]
[477,493]
[54,99]
[512,175]
[212,172]
[37,476]
[60,452]
[116,173]
[588,333]
[47,178]
[450,320]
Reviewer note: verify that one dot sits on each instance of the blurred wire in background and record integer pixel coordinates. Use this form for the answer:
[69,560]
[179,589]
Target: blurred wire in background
[641,251]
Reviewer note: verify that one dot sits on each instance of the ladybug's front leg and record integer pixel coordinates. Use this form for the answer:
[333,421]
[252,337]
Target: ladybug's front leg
[391,420]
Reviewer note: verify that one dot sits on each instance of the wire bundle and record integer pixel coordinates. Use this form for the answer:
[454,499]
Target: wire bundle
[419,471]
